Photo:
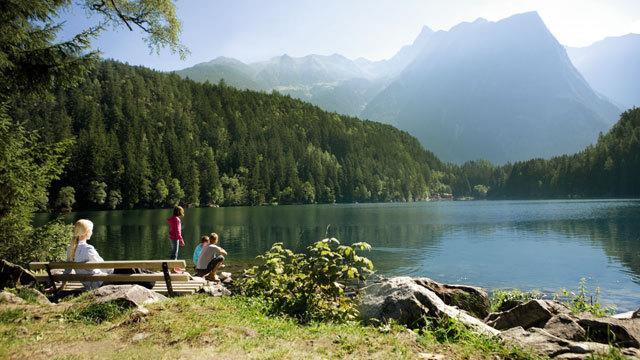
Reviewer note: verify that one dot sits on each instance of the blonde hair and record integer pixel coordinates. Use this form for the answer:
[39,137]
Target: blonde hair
[80,228]
[213,238]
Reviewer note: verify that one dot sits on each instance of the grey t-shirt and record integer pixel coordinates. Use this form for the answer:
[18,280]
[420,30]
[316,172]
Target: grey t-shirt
[208,253]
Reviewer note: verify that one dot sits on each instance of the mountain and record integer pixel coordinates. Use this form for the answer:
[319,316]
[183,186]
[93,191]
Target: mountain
[611,66]
[234,72]
[391,67]
[332,82]
[305,71]
[502,91]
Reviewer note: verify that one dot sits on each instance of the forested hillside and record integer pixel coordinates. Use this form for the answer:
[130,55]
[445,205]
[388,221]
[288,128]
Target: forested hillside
[145,139]
[609,168]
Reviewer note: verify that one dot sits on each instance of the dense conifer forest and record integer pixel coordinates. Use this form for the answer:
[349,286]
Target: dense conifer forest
[147,139]
[610,168]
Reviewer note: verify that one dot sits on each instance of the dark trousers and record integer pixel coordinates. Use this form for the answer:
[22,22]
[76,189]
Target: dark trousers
[212,264]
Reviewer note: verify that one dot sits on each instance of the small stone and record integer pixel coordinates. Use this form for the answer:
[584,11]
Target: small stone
[134,295]
[140,336]
[9,298]
[224,275]
[431,356]
[215,290]
[625,315]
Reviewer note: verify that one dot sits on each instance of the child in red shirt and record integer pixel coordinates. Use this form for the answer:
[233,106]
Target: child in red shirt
[175,231]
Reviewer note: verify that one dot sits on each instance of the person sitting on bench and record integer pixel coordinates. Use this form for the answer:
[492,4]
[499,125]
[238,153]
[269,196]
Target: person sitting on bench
[80,251]
[210,259]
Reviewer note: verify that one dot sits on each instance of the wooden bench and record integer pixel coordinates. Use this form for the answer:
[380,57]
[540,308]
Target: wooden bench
[166,282]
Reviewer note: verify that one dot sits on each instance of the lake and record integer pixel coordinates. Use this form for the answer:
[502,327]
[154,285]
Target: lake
[544,245]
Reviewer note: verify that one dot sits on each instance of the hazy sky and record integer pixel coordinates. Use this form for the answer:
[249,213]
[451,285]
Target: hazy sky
[253,30]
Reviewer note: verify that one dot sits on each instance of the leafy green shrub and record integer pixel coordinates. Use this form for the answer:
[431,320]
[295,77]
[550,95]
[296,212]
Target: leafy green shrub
[582,301]
[96,313]
[308,286]
[506,299]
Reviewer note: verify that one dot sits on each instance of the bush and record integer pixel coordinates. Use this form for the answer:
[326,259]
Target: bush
[308,286]
[582,301]
[506,299]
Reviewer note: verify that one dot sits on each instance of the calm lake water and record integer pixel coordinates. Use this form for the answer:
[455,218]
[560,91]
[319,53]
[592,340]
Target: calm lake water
[543,245]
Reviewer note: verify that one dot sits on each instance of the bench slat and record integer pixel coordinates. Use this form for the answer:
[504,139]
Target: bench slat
[143,264]
[113,277]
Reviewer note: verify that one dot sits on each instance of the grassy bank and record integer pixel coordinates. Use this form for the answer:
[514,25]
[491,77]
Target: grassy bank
[229,328]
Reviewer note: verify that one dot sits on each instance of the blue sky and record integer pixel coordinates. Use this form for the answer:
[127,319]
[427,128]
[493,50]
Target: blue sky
[253,30]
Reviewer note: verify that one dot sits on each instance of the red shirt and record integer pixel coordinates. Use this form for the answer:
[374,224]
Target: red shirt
[175,228]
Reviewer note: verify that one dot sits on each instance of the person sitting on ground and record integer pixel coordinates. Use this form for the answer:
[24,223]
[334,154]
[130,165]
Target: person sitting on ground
[80,251]
[210,259]
[204,241]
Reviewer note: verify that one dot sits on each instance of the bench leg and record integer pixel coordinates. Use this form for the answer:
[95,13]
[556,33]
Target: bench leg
[53,283]
[167,279]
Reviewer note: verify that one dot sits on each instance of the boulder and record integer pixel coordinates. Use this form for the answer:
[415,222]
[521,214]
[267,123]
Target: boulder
[10,298]
[565,326]
[607,330]
[406,302]
[12,275]
[133,295]
[532,313]
[469,298]
[544,343]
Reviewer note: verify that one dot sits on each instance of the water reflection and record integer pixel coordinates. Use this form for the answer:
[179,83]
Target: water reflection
[526,244]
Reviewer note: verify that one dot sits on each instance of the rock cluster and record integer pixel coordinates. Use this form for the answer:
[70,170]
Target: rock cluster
[546,327]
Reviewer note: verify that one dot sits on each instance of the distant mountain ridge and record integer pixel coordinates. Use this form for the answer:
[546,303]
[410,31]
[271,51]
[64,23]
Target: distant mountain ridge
[504,91]
[333,82]
[612,67]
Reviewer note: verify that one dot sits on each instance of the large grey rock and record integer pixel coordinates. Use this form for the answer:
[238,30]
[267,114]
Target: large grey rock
[565,326]
[544,343]
[134,295]
[408,303]
[469,298]
[12,275]
[9,298]
[607,330]
[532,313]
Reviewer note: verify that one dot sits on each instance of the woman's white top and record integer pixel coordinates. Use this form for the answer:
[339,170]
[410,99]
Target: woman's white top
[87,253]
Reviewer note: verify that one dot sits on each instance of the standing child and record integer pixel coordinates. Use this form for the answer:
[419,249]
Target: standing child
[175,231]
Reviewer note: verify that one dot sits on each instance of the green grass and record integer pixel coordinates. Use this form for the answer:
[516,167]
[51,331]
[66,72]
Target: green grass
[97,313]
[11,315]
[228,327]
[26,293]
